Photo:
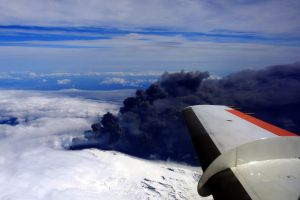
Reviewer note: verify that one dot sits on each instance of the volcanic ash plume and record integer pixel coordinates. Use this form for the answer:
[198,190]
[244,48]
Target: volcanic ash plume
[150,124]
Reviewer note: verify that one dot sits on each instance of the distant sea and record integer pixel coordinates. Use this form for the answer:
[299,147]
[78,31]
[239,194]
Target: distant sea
[63,81]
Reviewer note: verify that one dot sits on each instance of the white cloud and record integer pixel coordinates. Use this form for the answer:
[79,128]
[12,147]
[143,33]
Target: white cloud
[34,166]
[114,80]
[127,82]
[43,113]
[214,77]
[63,81]
[32,74]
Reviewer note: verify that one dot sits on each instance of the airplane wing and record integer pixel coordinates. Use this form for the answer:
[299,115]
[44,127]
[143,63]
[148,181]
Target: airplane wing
[243,157]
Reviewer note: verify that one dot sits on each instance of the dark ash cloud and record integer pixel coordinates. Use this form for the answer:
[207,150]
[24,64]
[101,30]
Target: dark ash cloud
[150,124]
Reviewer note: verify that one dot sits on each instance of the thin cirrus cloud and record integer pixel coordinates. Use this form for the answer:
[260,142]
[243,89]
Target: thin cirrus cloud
[30,35]
[124,35]
[257,16]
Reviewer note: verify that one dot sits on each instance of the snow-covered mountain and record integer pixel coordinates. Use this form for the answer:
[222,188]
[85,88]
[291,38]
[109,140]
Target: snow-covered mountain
[35,126]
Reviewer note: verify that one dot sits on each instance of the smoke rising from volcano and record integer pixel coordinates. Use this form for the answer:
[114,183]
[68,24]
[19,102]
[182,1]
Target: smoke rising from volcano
[151,125]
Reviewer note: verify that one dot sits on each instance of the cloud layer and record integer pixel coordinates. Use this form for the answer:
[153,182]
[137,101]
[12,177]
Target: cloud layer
[254,16]
[138,52]
[33,164]
[45,114]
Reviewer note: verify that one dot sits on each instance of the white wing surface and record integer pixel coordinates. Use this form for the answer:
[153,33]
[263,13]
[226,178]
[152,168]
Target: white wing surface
[243,157]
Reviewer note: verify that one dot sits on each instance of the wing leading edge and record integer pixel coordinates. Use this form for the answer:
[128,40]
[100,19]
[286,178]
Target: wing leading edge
[243,157]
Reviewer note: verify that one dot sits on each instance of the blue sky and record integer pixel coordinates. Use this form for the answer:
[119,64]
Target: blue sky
[159,35]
